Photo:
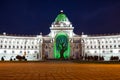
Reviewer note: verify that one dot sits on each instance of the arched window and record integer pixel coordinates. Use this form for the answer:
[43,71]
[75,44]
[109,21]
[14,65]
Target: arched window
[17,47]
[110,46]
[106,46]
[13,46]
[9,47]
[5,46]
[0,46]
[21,47]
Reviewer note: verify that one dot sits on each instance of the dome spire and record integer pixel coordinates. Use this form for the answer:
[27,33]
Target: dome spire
[61,11]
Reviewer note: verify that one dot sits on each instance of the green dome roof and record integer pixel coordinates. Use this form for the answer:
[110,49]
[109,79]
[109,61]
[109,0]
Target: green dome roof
[61,18]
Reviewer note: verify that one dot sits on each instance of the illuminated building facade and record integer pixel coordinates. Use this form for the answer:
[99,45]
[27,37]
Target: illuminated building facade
[60,43]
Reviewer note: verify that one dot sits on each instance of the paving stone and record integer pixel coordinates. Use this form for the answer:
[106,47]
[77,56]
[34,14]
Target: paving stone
[58,71]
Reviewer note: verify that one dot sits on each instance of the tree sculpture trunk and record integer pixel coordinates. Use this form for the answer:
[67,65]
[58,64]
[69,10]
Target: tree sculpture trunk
[62,51]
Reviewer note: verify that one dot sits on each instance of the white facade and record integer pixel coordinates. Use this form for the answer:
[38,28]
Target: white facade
[41,47]
[11,46]
[106,46]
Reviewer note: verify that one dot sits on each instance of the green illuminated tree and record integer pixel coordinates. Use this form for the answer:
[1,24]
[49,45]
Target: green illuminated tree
[61,45]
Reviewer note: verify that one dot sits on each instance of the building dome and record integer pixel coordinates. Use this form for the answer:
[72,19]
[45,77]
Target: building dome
[61,20]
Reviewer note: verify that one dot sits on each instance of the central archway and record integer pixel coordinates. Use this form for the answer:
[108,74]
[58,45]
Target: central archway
[61,46]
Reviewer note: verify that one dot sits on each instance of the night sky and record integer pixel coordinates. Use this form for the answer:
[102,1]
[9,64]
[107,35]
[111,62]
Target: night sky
[35,16]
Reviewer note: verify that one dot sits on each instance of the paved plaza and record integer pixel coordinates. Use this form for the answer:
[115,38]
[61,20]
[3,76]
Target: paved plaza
[58,71]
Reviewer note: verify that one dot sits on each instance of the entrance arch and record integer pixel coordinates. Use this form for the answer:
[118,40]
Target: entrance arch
[61,46]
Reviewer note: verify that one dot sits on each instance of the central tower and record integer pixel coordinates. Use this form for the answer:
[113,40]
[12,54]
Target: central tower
[61,33]
[61,23]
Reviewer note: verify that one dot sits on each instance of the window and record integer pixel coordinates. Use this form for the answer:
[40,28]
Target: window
[35,51]
[95,52]
[98,46]
[110,46]
[17,47]
[111,51]
[94,46]
[12,51]
[87,46]
[32,47]
[1,46]
[106,46]
[106,41]
[102,46]
[110,41]
[114,41]
[119,46]
[28,51]
[114,46]
[5,46]
[103,51]
[91,42]
[21,47]
[9,47]
[5,41]
[91,47]
[20,51]
[4,51]
[13,46]
[35,47]
[25,47]
[28,47]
